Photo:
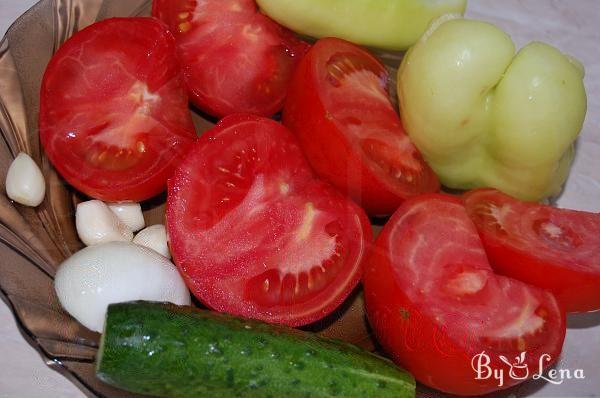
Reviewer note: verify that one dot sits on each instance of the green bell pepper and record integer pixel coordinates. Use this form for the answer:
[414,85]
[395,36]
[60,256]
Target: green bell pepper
[483,116]
[386,24]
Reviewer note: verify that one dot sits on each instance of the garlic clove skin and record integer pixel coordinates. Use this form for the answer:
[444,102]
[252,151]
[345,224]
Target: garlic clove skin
[155,238]
[96,276]
[25,182]
[130,214]
[97,224]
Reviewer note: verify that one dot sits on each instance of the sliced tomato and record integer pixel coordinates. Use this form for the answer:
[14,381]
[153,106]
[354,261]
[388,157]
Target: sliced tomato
[556,249]
[114,118]
[434,303]
[255,234]
[339,108]
[234,58]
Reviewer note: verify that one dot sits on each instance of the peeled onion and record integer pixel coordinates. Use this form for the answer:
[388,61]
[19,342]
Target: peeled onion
[91,279]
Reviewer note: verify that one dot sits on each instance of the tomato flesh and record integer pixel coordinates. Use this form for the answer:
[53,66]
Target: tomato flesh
[255,234]
[556,249]
[234,58]
[339,108]
[434,302]
[113,109]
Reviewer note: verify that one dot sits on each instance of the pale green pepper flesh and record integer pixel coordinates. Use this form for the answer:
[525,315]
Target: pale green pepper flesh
[386,24]
[485,117]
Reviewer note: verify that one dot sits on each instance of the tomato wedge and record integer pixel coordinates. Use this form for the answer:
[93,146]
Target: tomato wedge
[255,234]
[114,118]
[434,303]
[234,58]
[339,108]
[556,249]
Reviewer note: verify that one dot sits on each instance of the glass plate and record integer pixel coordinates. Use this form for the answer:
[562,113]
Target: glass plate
[33,242]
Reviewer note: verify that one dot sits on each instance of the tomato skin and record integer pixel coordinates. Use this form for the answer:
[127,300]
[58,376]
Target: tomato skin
[234,58]
[536,262]
[334,156]
[415,340]
[127,105]
[255,231]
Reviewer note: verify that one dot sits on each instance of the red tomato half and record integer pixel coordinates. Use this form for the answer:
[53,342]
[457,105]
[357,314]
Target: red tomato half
[114,118]
[234,58]
[434,303]
[255,234]
[556,249]
[338,106]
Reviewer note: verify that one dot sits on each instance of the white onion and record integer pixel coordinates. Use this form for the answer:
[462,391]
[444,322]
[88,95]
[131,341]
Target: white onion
[154,237]
[91,279]
[96,224]
[25,182]
[130,214]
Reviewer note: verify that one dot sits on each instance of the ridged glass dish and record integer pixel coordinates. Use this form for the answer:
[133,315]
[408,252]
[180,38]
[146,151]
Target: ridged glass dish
[33,242]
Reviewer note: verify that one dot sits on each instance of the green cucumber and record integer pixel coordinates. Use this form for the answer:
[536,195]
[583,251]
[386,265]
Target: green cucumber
[164,350]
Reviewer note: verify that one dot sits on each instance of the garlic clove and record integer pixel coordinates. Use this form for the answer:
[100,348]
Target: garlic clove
[96,224]
[130,214]
[155,238]
[25,182]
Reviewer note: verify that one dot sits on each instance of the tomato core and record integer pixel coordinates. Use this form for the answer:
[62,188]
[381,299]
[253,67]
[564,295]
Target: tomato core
[555,235]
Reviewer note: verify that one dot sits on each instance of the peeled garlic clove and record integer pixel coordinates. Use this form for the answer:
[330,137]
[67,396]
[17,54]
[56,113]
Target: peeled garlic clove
[96,224]
[91,279]
[130,214]
[155,238]
[25,182]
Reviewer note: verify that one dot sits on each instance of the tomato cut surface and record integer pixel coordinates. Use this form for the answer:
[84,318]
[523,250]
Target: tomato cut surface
[557,249]
[338,106]
[255,234]
[114,118]
[434,302]
[234,58]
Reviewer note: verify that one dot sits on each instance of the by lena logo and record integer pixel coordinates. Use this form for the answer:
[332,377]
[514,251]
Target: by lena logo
[518,369]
